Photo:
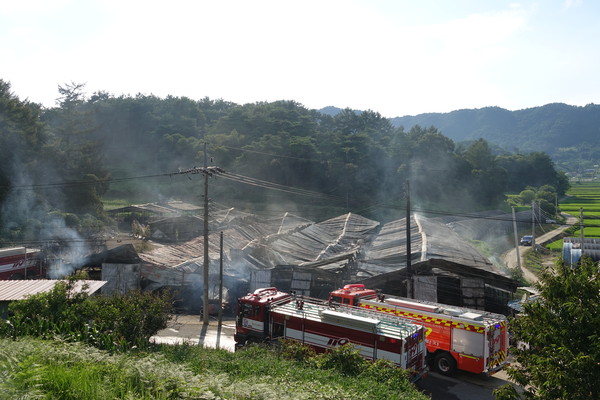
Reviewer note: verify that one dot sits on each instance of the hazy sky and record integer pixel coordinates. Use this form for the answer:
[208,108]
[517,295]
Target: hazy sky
[397,57]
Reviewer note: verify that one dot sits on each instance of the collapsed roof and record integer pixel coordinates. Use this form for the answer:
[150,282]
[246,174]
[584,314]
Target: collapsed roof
[356,245]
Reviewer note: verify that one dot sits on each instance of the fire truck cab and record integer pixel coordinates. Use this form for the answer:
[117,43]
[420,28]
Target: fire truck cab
[457,338]
[253,316]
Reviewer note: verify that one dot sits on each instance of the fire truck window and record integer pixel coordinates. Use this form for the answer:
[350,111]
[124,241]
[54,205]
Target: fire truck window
[336,299]
[256,311]
[246,310]
[346,301]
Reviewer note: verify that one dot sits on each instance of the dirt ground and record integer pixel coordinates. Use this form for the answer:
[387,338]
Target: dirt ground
[510,257]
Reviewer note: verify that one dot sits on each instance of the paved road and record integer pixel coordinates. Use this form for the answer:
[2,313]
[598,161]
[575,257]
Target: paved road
[462,386]
[190,329]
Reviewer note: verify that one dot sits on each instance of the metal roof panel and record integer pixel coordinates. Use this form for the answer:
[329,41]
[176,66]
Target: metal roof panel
[11,290]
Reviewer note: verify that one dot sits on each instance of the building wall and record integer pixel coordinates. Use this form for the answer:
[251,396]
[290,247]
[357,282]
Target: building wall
[120,278]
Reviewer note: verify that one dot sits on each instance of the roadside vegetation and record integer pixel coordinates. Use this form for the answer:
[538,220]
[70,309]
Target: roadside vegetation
[534,260]
[558,335]
[67,345]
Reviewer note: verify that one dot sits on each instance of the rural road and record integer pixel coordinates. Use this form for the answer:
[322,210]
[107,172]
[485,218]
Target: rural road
[510,257]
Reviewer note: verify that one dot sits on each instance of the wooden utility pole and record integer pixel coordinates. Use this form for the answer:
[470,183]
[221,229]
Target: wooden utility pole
[516,239]
[533,224]
[206,260]
[409,272]
[207,171]
[581,227]
[221,280]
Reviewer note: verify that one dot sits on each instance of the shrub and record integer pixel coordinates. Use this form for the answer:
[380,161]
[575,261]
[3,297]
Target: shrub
[294,350]
[115,322]
[344,359]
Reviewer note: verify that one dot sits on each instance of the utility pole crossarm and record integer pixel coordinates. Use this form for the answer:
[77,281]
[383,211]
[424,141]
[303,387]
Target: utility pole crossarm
[210,171]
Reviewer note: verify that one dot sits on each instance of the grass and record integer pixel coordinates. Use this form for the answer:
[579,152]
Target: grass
[113,204]
[32,368]
[586,196]
[534,260]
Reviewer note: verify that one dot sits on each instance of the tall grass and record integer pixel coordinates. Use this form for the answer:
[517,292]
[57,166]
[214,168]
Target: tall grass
[35,368]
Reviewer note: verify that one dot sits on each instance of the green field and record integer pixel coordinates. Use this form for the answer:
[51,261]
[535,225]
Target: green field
[582,196]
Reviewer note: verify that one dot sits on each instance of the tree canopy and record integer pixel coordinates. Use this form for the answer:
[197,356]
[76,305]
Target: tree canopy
[86,148]
[558,356]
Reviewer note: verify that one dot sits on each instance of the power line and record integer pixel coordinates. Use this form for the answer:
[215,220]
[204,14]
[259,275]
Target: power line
[86,182]
[258,183]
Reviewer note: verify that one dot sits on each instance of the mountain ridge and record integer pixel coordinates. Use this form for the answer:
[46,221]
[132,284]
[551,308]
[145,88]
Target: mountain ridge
[558,129]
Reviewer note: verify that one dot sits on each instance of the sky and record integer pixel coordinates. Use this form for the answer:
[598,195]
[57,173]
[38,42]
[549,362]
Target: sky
[395,57]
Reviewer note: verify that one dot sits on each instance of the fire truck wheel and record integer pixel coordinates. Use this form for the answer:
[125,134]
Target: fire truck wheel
[445,364]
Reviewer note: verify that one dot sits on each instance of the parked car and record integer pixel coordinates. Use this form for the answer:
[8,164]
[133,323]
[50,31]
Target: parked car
[526,240]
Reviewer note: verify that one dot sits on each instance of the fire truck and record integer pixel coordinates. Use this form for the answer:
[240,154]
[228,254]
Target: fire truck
[457,338]
[20,263]
[268,314]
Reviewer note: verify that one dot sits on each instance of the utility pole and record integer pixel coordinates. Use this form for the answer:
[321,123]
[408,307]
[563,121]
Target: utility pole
[207,171]
[581,227]
[516,239]
[221,280]
[206,260]
[409,272]
[533,224]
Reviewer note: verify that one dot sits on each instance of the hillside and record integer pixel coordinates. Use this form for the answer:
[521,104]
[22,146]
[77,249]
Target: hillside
[567,133]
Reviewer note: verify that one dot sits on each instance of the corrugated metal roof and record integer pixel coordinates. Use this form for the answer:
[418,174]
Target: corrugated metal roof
[19,289]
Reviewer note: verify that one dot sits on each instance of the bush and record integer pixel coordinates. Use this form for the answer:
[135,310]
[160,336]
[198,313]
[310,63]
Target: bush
[344,359]
[115,322]
[294,350]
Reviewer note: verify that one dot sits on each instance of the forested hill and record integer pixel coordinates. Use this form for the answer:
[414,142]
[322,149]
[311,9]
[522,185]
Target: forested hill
[67,160]
[567,133]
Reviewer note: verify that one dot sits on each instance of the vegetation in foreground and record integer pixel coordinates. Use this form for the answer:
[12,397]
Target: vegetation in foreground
[558,337]
[36,368]
[67,345]
[112,322]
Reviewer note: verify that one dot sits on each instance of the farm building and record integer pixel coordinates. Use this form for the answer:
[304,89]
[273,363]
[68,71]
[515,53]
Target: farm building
[151,212]
[293,253]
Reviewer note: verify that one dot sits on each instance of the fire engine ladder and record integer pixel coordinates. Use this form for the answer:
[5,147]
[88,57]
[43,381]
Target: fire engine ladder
[381,316]
[311,306]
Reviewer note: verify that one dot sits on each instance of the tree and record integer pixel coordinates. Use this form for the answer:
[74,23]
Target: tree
[21,139]
[73,155]
[560,332]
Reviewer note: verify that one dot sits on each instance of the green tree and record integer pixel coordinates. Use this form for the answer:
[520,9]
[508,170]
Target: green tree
[559,355]
[22,137]
[72,155]
[488,178]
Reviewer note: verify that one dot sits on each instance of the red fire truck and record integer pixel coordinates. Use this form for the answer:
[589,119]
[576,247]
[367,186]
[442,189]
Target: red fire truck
[20,263]
[268,314]
[457,338]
